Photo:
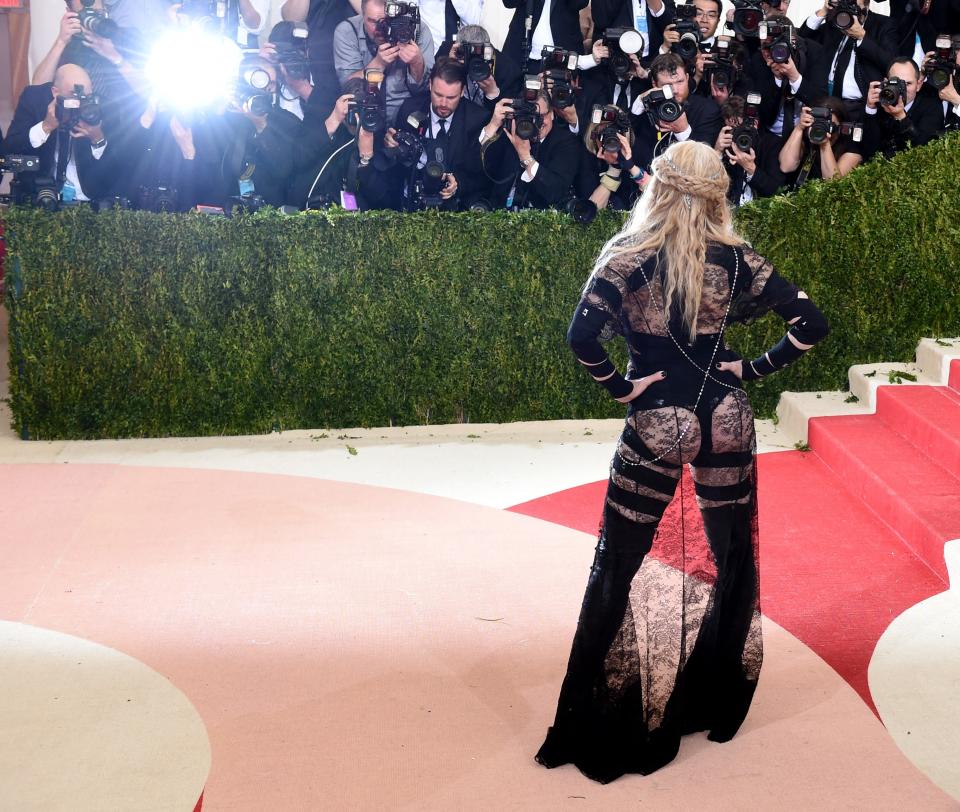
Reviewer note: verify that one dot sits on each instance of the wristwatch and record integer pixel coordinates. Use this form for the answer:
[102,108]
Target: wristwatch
[526,163]
[99,145]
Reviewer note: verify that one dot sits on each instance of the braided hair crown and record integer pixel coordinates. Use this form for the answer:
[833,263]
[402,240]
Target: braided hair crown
[693,170]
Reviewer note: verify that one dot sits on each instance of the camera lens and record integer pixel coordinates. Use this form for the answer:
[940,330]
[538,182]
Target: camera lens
[843,20]
[525,129]
[938,78]
[668,110]
[478,69]
[780,52]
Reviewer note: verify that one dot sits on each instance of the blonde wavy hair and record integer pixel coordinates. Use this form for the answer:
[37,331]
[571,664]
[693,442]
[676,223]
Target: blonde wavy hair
[683,207]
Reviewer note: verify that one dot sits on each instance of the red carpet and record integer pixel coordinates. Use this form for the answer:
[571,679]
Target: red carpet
[851,533]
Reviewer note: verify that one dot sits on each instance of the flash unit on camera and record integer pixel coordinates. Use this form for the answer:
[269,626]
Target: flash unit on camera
[373,76]
[944,43]
[754,98]
[299,31]
[762,31]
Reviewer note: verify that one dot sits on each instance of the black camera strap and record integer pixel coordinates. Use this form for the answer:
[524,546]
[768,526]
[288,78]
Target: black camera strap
[805,169]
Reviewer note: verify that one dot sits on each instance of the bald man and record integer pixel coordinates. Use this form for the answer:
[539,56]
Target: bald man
[76,158]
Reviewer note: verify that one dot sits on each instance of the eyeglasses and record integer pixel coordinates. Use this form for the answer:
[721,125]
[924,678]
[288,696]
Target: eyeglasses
[707,15]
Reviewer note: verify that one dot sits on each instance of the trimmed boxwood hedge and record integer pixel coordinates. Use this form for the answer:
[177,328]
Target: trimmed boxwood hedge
[130,324]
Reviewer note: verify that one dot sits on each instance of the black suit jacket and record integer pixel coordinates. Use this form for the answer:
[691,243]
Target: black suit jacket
[98,178]
[873,55]
[703,116]
[462,157]
[813,85]
[942,18]
[564,23]
[558,155]
[923,123]
[767,177]
[619,14]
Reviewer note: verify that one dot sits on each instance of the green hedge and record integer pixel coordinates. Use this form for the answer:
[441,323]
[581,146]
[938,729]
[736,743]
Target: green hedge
[132,324]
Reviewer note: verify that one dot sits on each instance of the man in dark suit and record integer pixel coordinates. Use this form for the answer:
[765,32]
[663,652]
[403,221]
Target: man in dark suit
[537,173]
[555,22]
[786,87]
[80,160]
[924,19]
[913,121]
[649,17]
[450,126]
[699,121]
[857,56]
[756,172]
[506,79]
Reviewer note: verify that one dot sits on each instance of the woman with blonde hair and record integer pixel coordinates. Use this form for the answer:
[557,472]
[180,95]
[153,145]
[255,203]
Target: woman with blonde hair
[668,641]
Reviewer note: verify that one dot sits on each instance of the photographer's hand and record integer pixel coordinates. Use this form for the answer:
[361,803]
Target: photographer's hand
[873,95]
[84,130]
[637,69]
[365,144]
[805,120]
[569,115]
[792,73]
[409,53]
[184,138]
[856,30]
[268,51]
[704,61]
[897,111]
[489,87]
[748,160]
[724,140]
[102,46]
[450,189]
[50,122]
[390,138]
[950,94]
[386,55]
[500,111]
[339,114]
[600,51]
[69,27]
[677,126]
[670,37]
[520,145]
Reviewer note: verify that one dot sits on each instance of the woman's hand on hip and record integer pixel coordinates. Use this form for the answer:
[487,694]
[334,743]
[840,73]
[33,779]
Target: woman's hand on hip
[736,367]
[640,385]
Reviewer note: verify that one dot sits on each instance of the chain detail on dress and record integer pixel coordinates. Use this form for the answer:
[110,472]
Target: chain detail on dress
[706,376]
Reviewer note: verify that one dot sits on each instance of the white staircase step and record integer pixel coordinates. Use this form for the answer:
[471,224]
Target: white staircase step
[796,408]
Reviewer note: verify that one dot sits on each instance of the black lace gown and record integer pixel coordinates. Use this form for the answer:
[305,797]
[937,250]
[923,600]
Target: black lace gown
[668,641]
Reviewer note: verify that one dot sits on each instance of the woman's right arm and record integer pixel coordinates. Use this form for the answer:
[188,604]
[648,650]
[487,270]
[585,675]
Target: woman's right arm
[807,327]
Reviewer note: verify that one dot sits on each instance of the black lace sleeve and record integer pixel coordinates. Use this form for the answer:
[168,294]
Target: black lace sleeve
[756,297]
[596,319]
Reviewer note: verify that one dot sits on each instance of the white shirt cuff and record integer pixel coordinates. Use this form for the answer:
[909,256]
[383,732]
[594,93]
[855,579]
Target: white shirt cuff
[586,62]
[683,136]
[795,86]
[98,152]
[530,172]
[870,111]
[814,22]
[637,108]
[38,137]
[956,109]
[575,128]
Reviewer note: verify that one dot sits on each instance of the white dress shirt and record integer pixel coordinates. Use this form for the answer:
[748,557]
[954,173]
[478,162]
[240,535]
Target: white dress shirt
[434,14]
[38,137]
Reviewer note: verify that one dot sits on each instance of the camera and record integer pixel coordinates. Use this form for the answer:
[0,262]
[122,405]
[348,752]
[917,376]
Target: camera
[746,135]
[747,16]
[822,127]
[160,198]
[686,26]
[77,107]
[622,42]
[942,67]
[558,58]
[96,22]
[292,56]
[726,68]
[401,23]
[891,91]
[368,108]
[582,211]
[560,72]
[478,58]
[410,145]
[17,165]
[252,94]
[661,106]
[209,14]
[610,122]
[844,13]
[779,39]
[524,111]
[429,181]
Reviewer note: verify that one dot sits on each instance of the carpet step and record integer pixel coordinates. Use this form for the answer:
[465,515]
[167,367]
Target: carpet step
[928,417]
[915,497]
[954,380]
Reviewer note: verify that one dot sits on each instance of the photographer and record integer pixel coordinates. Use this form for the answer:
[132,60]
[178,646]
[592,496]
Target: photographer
[698,120]
[334,162]
[555,23]
[786,86]
[535,172]
[361,42]
[110,56]
[649,17]
[949,95]
[446,17]
[912,120]
[618,81]
[258,156]
[918,22]
[608,176]
[858,45]
[59,123]
[286,49]
[449,132]
[819,148]
[754,172]
[504,80]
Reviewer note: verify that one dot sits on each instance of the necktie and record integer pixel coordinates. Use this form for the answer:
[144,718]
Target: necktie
[441,138]
[843,62]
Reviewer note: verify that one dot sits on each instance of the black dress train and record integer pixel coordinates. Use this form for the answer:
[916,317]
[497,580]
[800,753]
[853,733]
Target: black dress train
[668,641]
